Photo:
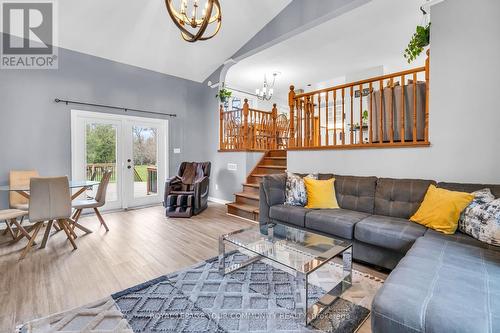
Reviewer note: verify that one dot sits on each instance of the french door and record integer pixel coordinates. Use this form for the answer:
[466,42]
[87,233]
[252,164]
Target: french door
[134,149]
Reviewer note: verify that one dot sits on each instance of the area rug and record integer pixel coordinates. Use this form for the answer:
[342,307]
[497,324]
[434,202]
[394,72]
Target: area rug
[258,298]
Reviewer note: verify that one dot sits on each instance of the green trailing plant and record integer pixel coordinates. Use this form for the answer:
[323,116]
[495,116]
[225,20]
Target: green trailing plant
[420,39]
[365,117]
[224,94]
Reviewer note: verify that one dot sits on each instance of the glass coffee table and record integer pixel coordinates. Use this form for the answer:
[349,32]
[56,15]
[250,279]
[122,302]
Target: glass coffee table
[302,252]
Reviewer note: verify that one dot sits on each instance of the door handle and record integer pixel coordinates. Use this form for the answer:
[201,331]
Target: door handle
[129,167]
[129,160]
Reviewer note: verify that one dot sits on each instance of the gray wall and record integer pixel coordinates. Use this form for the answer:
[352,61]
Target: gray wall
[35,132]
[464,115]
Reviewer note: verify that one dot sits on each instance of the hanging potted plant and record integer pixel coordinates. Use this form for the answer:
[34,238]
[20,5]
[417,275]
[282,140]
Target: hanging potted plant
[420,39]
[224,95]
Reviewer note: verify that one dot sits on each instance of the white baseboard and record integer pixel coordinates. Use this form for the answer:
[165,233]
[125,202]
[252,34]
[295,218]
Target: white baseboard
[216,200]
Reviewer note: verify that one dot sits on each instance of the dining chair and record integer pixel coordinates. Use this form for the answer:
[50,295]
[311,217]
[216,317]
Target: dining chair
[10,217]
[93,203]
[20,178]
[50,200]
[16,200]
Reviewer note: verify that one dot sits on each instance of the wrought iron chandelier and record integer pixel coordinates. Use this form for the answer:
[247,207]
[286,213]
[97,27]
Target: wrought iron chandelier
[267,90]
[195,26]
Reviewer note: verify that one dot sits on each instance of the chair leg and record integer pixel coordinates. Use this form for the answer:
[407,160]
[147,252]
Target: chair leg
[75,218]
[30,243]
[99,216]
[47,234]
[63,224]
[9,229]
[21,231]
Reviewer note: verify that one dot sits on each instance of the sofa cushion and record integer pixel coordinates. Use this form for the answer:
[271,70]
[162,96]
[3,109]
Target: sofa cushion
[440,286]
[274,188]
[389,232]
[355,193]
[289,214]
[461,238]
[469,188]
[337,222]
[400,197]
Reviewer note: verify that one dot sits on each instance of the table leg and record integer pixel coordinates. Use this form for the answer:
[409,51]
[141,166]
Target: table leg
[222,256]
[302,288]
[47,234]
[347,268]
[74,224]
[77,194]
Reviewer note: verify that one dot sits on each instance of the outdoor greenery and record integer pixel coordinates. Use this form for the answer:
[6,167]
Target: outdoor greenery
[101,149]
[145,147]
[420,39]
[101,144]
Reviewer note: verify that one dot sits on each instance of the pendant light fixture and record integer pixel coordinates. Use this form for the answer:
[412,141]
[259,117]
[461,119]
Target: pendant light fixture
[194,27]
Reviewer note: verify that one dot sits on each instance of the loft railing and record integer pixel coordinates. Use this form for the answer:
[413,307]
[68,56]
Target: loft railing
[252,130]
[386,111]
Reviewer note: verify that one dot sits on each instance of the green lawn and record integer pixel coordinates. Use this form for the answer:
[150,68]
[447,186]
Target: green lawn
[142,170]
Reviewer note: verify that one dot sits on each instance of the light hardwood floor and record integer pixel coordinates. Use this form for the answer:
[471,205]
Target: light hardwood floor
[141,245]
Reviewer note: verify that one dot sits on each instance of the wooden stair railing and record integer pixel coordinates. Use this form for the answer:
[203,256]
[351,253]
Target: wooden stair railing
[252,130]
[246,204]
[386,111]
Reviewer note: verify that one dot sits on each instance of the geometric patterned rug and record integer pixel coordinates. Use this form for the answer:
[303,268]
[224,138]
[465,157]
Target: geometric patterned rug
[257,298]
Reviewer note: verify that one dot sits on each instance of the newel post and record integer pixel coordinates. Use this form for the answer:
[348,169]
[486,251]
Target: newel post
[427,90]
[245,124]
[274,115]
[221,127]
[291,104]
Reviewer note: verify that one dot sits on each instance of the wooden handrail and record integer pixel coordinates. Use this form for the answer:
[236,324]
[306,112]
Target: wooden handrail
[383,111]
[250,129]
[390,110]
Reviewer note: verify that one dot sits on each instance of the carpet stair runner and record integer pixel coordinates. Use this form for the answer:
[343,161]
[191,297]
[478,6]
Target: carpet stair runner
[246,203]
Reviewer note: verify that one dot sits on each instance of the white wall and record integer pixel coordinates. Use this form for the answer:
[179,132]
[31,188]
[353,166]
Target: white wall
[464,113]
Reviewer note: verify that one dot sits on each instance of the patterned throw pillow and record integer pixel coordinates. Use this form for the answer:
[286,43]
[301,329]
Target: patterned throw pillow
[295,192]
[481,219]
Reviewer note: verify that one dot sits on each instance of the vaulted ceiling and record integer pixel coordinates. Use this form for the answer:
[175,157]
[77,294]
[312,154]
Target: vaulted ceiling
[370,36]
[140,33]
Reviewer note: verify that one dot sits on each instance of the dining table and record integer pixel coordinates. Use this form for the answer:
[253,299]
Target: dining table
[79,187]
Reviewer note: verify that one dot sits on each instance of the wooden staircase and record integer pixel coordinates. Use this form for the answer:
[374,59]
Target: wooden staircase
[246,204]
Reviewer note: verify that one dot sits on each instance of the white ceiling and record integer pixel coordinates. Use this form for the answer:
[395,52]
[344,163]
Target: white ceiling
[141,33]
[367,37]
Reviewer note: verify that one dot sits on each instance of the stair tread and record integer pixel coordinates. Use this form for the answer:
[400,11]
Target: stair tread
[247,195]
[259,174]
[275,158]
[244,207]
[272,167]
[256,185]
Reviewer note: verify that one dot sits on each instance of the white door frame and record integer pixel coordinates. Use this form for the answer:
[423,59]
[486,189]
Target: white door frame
[125,190]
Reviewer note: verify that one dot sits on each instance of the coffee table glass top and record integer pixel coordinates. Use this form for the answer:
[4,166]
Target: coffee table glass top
[300,250]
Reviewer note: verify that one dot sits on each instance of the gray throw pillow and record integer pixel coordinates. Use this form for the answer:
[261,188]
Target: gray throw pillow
[481,219]
[295,192]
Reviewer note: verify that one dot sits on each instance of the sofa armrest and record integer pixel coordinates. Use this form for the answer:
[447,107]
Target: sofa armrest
[263,207]
[274,189]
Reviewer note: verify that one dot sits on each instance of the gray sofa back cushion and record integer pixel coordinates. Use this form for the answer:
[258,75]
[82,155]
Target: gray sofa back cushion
[274,189]
[356,193]
[400,197]
[469,188]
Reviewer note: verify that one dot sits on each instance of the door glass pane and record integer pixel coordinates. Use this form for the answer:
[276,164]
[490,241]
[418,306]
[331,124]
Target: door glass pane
[145,141]
[101,141]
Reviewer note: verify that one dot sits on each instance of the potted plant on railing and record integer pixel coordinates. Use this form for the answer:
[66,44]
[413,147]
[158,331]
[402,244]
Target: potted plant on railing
[420,39]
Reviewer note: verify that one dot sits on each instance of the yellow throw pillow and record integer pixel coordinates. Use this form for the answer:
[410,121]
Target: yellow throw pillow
[320,193]
[441,209]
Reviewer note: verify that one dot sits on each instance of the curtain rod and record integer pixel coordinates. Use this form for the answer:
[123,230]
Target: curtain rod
[57,100]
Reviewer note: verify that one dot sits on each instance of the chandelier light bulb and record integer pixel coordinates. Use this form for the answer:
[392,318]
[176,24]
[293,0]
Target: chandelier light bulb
[195,28]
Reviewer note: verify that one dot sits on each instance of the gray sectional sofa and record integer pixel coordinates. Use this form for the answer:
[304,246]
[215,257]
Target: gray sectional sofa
[439,283]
